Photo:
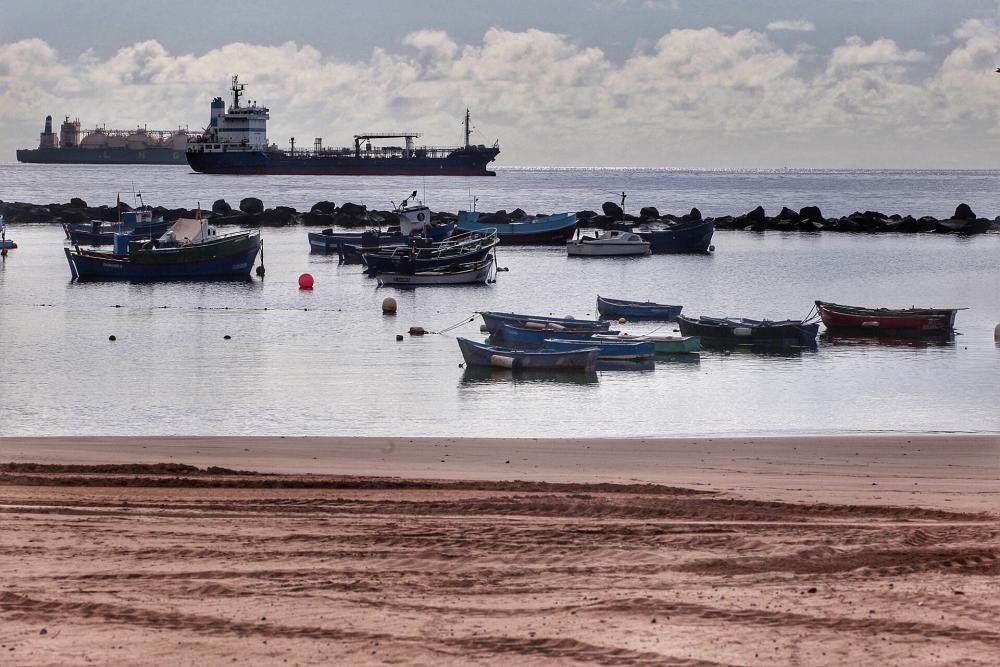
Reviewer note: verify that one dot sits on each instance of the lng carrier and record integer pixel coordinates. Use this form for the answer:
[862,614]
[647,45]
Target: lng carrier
[235,142]
[74,145]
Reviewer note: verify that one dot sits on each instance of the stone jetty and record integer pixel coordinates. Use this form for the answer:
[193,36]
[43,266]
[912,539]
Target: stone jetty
[251,211]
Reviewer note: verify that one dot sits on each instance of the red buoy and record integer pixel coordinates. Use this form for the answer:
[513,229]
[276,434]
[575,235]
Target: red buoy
[306,281]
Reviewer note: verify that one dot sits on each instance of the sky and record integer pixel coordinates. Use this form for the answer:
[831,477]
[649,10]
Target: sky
[574,83]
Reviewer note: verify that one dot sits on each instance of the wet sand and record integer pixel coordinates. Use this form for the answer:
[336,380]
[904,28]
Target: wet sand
[808,551]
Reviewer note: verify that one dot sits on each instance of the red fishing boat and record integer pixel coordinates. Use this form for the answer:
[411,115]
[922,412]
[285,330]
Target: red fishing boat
[878,321]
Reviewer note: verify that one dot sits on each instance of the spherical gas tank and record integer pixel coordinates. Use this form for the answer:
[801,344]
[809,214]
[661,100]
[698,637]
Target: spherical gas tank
[94,140]
[177,141]
[116,142]
[138,141]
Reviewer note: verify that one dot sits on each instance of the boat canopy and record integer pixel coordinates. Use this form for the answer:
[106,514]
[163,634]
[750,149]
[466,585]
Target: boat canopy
[195,231]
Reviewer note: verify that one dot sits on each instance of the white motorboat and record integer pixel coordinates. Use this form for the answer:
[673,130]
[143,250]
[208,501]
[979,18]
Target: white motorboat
[613,243]
[455,274]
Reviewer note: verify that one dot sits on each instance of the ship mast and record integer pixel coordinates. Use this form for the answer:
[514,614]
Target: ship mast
[237,89]
[467,130]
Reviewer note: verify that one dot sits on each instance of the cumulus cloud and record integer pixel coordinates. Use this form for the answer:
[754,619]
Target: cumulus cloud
[792,25]
[694,97]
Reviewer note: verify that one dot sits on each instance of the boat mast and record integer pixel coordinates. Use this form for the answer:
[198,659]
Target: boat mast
[237,89]
[467,130]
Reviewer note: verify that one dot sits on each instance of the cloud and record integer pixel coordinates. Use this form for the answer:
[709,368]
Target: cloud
[792,25]
[694,97]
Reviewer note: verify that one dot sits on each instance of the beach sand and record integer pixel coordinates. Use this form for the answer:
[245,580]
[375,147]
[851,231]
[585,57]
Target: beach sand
[707,551]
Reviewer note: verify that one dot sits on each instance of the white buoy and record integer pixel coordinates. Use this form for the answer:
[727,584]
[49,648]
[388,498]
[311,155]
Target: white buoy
[621,320]
[388,305]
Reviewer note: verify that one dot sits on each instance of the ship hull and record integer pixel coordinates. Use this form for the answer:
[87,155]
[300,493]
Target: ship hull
[101,156]
[459,163]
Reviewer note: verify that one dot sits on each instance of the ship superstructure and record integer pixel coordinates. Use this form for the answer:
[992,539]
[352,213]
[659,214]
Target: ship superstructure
[73,145]
[235,142]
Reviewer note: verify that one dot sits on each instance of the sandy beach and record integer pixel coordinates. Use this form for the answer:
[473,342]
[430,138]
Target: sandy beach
[707,551]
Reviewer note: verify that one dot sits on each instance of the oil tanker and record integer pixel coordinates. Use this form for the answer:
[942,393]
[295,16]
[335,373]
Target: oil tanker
[235,142]
[74,145]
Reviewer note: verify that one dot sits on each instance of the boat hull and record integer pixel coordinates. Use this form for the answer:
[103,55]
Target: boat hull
[532,337]
[101,156]
[715,332]
[404,263]
[584,248]
[885,321]
[454,275]
[607,350]
[494,321]
[223,259]
[320,242]
[636,310]
[664,344]
[460,162]
[684,237]
[481,354]
[549,230]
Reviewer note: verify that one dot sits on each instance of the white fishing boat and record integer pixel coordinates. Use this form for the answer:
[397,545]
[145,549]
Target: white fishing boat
[455,274]
[613,243]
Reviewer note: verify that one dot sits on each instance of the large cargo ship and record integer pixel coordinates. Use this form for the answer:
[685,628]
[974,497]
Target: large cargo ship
[235,142]
[103,146]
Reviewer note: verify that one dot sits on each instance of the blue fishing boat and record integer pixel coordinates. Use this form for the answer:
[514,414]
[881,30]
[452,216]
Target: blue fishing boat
[724,331]
[636,310]
[549,229]
[483,354]
[612,350]
[426,255]
[494,320]
[191,249]
[534,336]
[138,225]
[689,236]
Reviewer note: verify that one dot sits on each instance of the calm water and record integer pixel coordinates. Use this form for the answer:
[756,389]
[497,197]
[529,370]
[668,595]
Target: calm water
[326,362]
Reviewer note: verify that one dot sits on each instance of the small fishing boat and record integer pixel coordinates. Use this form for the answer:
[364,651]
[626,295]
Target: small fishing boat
[494,321]
[424,255]
[452,274]
[5,243]
[414,222]
[483,354]
[689,236]
[191,249]
[138,225]
[743,331]
[549,229]
[636,310]
[534,334]
[664,344]
[613,349]
[886,321]
[614,243]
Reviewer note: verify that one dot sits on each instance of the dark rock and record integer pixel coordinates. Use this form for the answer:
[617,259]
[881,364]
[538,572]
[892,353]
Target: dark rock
[350,209]
[518,214]
[251,205]
[809,226]
[76,202]
[811,213]
[757,215]
[964,212]
[327,207]
[649,212]
[788,215]
[74,217]
[585,215]
[785,225]
[695,214]
[221,207]
[612,210]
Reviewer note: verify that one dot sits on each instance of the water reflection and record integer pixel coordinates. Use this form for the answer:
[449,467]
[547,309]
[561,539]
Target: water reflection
[476,375]
[915,342]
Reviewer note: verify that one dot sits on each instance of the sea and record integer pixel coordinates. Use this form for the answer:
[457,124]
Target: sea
[264,357]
